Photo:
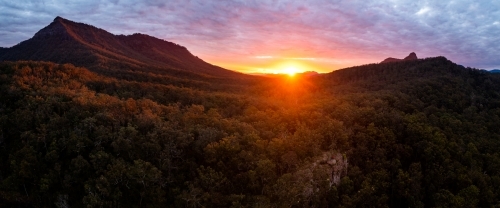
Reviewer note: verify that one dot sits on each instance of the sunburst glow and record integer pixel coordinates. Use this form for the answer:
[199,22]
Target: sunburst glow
[291,71]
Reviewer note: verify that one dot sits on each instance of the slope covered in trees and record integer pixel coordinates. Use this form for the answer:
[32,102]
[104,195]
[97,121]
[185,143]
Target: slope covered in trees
[136,57]
[420,133]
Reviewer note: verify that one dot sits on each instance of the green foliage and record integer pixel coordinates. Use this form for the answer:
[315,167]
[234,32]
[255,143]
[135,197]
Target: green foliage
[420,133]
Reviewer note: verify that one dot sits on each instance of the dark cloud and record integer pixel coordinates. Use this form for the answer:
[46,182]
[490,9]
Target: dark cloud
[359,30]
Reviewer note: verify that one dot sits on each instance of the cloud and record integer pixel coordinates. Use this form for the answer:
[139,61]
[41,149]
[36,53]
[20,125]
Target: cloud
[465,31]
[264,57]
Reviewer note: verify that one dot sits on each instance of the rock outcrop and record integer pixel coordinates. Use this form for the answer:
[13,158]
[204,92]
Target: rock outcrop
[411,56]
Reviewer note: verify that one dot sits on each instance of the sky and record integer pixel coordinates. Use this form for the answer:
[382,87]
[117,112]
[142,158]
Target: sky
[272,36]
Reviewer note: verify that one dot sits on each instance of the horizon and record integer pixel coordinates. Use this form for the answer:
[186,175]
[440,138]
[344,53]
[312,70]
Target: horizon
[275,37]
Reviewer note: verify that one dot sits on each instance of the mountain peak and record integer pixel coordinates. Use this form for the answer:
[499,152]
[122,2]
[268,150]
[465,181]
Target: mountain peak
[411,56]
[66,41]
[58,18]
[57,27]
[62,20]
[64,29]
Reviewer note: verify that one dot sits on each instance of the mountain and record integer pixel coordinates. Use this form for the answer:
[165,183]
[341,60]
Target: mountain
[387,75]
[65,41]
[495,71]
[412,56]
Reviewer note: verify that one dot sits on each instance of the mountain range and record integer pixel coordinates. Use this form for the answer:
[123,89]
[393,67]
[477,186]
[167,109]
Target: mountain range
[65,41]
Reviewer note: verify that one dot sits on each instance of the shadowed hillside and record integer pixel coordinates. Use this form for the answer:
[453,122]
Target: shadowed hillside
[420,133]
[134,57]
[379,76]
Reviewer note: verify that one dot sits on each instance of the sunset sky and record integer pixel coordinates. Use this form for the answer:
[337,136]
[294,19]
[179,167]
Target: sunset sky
[274,35]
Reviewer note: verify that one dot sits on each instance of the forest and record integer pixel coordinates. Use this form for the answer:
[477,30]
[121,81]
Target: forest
[422,133]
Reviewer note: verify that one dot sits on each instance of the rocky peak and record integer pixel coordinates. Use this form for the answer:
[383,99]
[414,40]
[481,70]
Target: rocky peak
[62,29]
[58,18]
[56,28]
[411,56]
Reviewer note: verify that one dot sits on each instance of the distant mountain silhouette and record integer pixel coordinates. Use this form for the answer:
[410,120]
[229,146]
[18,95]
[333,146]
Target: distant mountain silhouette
[495,71]
[65,41]
[412,56]
[402,72]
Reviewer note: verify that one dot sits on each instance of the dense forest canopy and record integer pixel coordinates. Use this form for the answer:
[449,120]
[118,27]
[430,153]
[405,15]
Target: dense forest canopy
[421,133]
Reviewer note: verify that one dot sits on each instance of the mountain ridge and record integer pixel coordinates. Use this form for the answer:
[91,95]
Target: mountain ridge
[65,41]
[495,71]
[410,57]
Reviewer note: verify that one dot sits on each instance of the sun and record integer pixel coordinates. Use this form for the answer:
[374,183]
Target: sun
[291,71]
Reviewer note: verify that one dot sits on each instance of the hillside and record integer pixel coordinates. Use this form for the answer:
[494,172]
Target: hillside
[380,75]
[421,133]
[135,57]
